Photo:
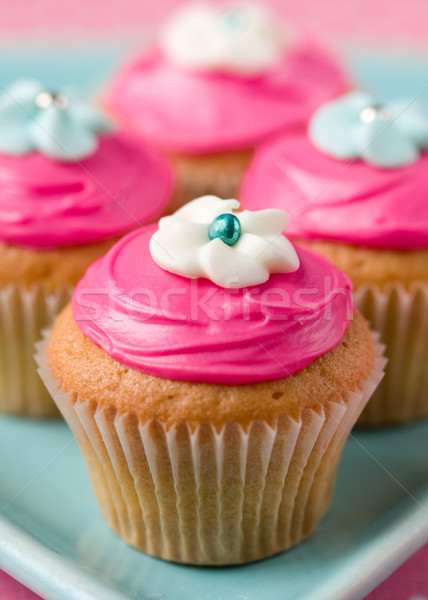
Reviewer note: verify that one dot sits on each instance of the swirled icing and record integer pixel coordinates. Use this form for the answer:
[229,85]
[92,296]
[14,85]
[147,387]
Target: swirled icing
[47,204]
[351,202]
[194,112]
[173,327]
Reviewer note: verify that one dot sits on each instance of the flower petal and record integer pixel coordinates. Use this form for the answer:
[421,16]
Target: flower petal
[54,134]
[227,267]
[177,248]
[384,145]
[275,252]
[89,117]
[14,137]
[335,128]
[17,111]
[201,210]
[13,115]
[270,221]
[411,119]
[356,101]
[21,95]
[334,136]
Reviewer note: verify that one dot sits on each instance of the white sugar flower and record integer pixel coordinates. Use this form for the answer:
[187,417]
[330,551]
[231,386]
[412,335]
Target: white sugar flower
[244,39]
[207,238]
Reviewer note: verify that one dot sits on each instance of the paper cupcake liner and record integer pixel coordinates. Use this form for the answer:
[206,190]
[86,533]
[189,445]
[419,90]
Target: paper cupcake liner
[212,497]
[401,318]
[23,316]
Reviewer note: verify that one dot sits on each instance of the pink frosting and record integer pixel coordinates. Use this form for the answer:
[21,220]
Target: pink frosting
[178,328]
[205,112]
[46,203]
[347,201]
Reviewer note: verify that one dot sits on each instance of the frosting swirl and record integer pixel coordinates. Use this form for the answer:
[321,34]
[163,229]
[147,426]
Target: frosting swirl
[214,111]
[355,202]
[47,204]
[193,330]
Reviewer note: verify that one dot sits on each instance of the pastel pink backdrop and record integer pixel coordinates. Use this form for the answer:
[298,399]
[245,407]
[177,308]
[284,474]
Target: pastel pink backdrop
[394,22]
[376,23]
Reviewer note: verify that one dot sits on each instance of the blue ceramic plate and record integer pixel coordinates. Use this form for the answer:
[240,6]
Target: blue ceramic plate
[54,539]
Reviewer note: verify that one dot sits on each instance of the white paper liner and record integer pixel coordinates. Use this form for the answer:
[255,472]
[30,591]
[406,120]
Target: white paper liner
[23,316]
[206,497]
[401,318]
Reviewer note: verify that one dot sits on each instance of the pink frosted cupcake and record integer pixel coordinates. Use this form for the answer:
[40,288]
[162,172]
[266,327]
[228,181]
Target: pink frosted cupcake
[356,191]
[69,186]
[216,84]
[211,372]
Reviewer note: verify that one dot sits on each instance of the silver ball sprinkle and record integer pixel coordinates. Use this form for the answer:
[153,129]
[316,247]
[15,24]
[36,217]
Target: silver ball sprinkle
[46,99]
[376,111]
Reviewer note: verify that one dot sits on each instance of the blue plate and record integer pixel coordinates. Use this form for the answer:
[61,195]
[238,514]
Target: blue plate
[54,539]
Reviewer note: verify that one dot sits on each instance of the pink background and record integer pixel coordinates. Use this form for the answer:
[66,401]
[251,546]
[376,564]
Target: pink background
[394,24]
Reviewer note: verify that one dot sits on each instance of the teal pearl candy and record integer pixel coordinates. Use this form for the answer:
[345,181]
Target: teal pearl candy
[233,19]
[226,227]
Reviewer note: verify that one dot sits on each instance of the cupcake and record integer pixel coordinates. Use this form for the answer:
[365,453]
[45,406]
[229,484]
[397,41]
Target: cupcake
[69,186]
[355,185]
[211,372]
[217,82]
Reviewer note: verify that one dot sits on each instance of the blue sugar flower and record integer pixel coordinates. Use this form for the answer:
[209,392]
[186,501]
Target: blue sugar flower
[384,135]
[35,119]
